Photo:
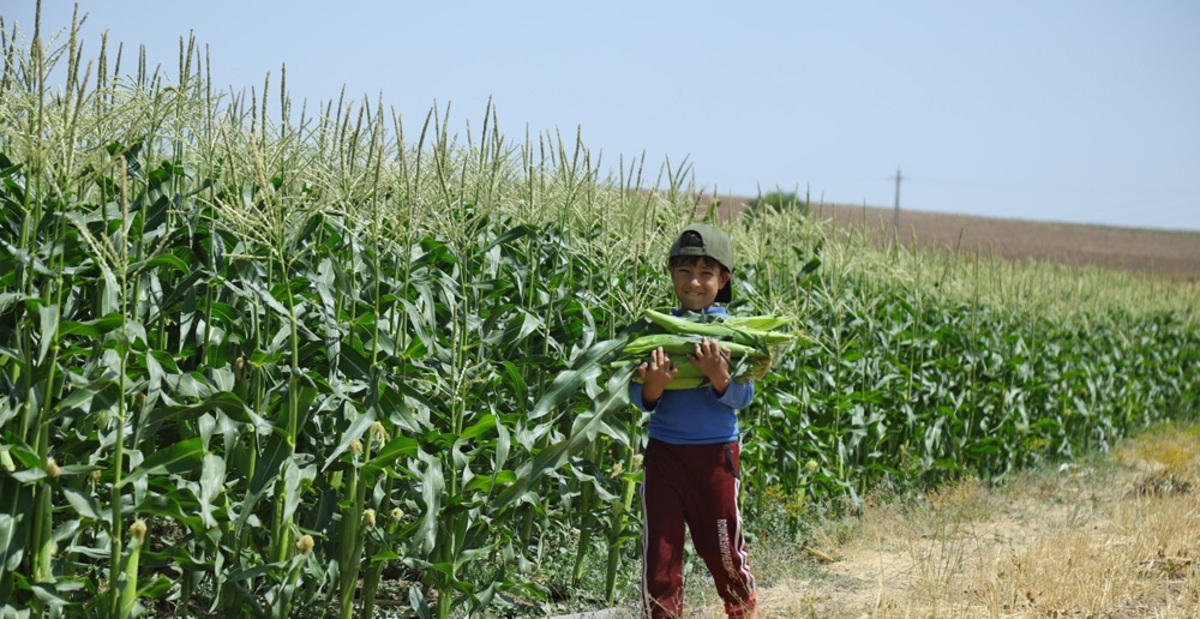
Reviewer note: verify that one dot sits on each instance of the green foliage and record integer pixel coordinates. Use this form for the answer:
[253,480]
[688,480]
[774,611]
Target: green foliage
[312,357]
[777,202]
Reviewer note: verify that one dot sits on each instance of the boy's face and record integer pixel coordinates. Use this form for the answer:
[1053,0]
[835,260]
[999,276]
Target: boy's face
[697,283]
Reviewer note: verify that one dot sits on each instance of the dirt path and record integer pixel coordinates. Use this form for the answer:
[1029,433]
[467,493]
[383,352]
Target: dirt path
[1118,538]
[1114,537]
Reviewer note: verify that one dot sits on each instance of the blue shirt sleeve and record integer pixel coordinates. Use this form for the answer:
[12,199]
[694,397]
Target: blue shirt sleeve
[737,396]
[635,396]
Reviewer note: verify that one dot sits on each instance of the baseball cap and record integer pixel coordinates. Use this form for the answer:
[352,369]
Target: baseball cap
[714,243]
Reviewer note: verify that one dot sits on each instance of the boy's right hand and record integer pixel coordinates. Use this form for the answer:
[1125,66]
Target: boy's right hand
[655,374]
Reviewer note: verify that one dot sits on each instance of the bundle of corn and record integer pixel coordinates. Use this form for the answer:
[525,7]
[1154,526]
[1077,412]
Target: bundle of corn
[752,341]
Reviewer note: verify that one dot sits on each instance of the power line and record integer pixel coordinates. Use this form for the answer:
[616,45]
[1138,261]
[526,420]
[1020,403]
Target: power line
[896,216]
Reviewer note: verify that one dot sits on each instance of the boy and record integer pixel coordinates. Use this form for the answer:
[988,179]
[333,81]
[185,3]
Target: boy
[692,473]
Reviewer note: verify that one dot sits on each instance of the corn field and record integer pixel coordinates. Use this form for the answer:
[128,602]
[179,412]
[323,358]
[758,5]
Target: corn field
[263,361]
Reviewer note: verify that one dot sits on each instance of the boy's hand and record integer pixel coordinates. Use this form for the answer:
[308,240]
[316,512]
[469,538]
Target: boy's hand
[713,361]
[655,374]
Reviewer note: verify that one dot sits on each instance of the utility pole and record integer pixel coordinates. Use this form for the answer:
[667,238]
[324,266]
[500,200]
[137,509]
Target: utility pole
[896,216]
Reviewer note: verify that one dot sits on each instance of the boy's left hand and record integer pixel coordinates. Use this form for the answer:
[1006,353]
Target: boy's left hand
[713,361]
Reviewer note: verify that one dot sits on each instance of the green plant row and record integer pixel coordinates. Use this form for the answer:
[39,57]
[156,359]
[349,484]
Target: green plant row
[909,396]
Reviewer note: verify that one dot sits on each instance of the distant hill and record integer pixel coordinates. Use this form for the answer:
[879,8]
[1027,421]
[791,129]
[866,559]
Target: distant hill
[1170,253]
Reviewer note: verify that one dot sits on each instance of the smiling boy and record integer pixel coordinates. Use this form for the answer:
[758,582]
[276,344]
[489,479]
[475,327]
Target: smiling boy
[692,471]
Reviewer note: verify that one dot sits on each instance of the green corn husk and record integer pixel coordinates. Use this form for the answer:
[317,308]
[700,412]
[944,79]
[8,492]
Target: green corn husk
[753,344]
[678,345]
[758,323]
[680,325]
[757,331]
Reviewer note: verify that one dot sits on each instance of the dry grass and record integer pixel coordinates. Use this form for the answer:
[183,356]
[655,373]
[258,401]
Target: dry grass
[1114,537]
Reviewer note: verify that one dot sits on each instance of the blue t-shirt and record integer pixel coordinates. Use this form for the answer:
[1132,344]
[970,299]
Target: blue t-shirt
[695,416]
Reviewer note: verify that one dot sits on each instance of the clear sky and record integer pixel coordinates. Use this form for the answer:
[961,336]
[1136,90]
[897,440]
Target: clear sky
[1062,110]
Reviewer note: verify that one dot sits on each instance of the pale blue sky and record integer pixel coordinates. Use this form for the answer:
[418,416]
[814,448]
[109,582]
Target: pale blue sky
[1069,110]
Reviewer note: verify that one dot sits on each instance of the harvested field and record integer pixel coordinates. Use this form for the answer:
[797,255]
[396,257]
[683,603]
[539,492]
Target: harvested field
[1175,254]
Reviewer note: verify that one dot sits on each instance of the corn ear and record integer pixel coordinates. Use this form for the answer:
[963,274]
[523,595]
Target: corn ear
[758,323]
[688,376]
[137,539]
[678,325]
[752,348]
[754,331]
[677,344]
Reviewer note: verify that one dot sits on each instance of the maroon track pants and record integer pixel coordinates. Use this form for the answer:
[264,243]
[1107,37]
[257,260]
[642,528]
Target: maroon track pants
[694,486]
